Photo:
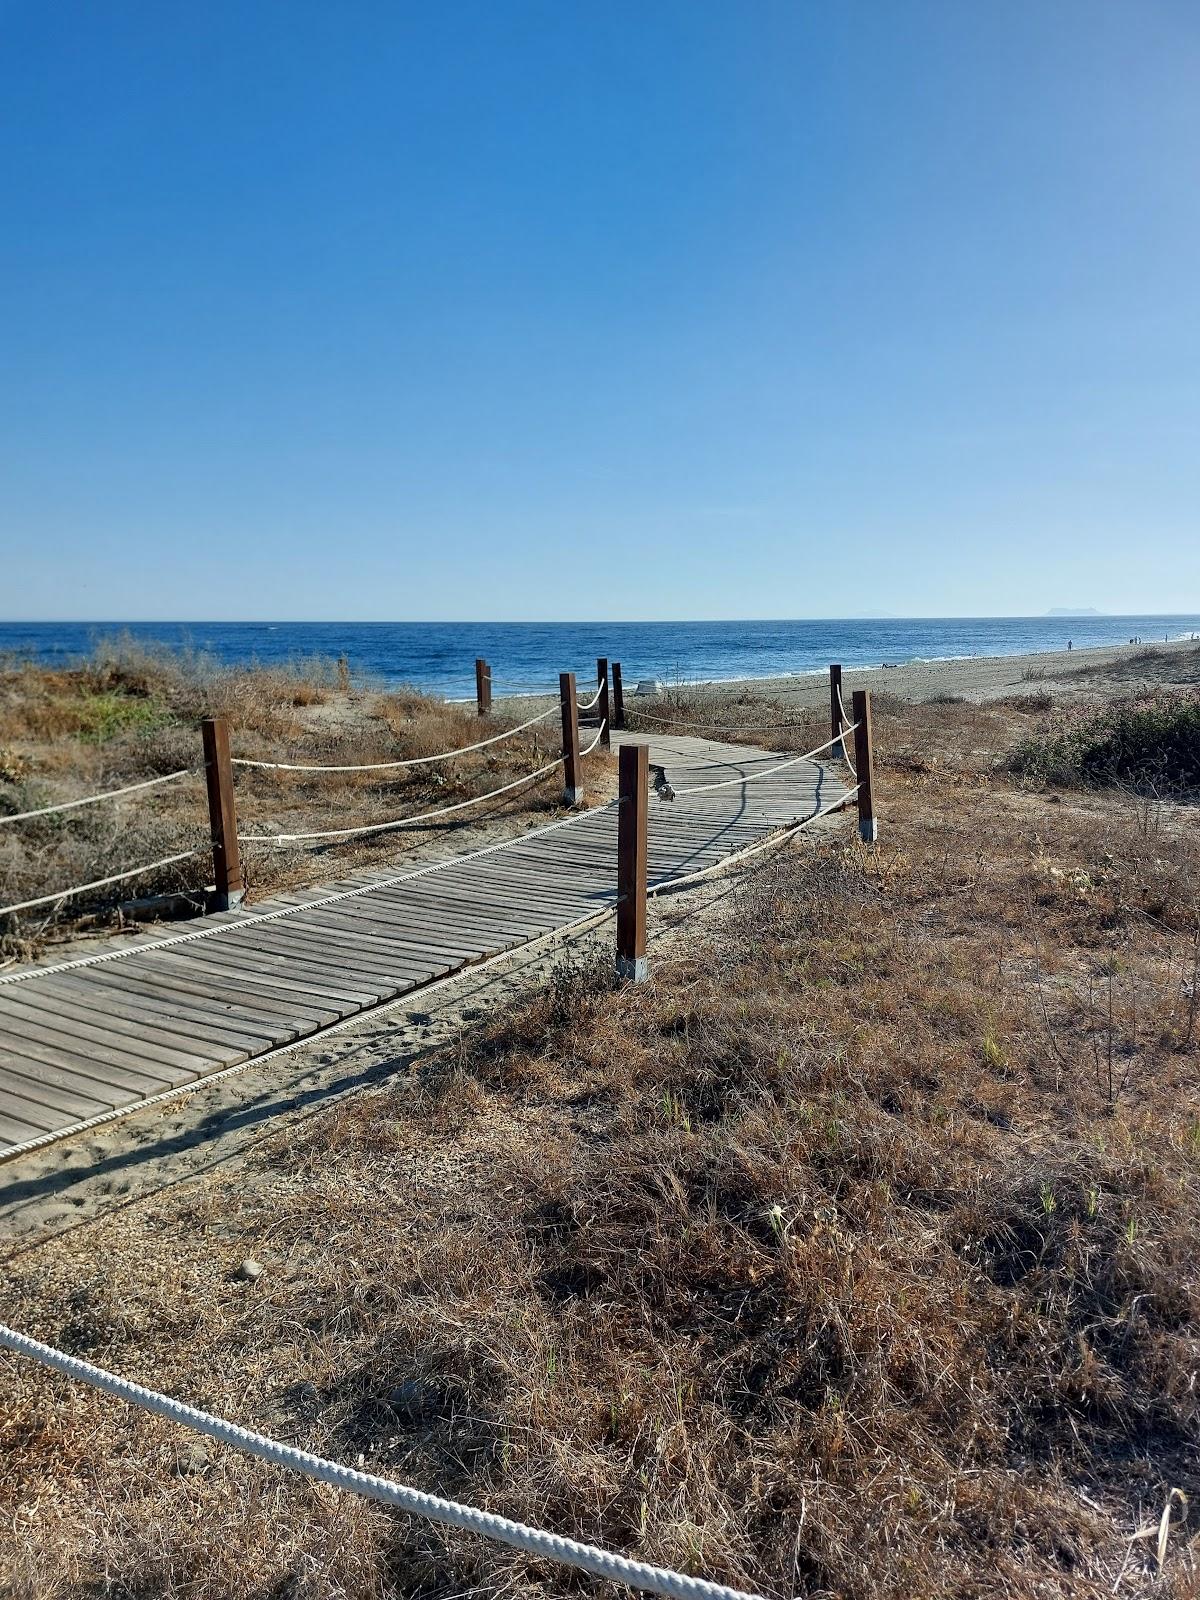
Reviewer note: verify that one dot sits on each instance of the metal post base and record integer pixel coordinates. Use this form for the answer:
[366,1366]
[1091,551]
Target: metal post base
[632,969]
[225,902]
[868,829]
[572,797]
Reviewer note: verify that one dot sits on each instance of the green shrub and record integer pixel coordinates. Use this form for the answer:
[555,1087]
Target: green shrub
[1150,741]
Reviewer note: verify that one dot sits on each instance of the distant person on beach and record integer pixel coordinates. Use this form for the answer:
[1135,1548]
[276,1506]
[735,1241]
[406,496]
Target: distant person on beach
[1070,645]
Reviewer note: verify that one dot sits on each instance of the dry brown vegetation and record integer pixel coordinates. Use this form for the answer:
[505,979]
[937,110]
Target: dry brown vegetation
[131,714]
[853,1255]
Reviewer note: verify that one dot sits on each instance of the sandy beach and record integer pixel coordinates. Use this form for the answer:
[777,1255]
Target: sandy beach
[1067,674]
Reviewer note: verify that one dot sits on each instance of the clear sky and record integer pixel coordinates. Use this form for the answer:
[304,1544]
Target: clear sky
[598,308]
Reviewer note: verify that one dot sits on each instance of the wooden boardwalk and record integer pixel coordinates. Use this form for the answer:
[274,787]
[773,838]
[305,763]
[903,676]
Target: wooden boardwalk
[78,1043]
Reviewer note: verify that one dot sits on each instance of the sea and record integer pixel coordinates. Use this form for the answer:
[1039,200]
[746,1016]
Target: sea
[526,657]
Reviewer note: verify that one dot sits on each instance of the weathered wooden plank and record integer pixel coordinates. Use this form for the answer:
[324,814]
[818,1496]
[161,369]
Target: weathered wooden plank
[57,1093]
[302,958]
[151,1057]
[278,972]
[254,1006]
[204,1013]
[14,1131]
[82,1048]
[31,1117]
[433,925]
[337,953]
[216,1040]
[103,1035]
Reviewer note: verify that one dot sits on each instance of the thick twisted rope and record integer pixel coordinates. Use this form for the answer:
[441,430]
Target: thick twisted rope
[97,883]
[847,727]
[250,921]
[767,772]
[94,799]
[432,1507]
[399,822]
[387,766]
[669,885]
[712,727]
[418,817]
[594,701]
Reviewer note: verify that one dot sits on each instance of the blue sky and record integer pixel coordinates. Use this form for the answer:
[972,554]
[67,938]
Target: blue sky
[599,309]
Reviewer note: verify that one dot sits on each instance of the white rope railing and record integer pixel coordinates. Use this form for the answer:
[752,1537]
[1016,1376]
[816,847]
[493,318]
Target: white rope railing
[387,766]
[594,701]
[97,883]
[451,1513]
[214,930]
[847,727]
[712,727]
[752,777]
[420,816]
[94,799]
[668,885]
[399,822]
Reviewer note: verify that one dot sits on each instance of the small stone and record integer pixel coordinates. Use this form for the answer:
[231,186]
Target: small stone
[412,1401]
[193,1460]
[250,1270]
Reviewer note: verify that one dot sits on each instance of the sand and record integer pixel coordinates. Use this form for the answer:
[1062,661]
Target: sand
[1072,674]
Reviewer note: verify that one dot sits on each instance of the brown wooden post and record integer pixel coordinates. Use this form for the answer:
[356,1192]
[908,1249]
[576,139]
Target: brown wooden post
[633,769]
[618,695]
[868,825]
[572,770]
[602,703]
[837,751]
[222,814]
[483,686]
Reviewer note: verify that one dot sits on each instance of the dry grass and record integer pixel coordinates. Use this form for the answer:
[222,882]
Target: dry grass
[131,714]
[853,1255]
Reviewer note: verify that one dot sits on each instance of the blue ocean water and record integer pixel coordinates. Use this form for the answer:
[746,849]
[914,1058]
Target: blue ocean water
[439,657]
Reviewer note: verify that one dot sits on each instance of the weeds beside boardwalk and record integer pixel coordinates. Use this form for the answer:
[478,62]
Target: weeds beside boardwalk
[852,1255]
[131,714]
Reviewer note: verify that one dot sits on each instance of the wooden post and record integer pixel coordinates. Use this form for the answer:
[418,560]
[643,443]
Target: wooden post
[868,826]
[572,771]
[837,751]
[222,815]
[483,686]
[602,703]
[633,765]
[618,695]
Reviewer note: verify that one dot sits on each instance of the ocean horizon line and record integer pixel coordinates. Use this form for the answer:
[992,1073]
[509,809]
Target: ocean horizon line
[585,622]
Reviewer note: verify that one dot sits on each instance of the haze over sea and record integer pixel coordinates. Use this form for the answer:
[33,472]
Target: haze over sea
[439,657]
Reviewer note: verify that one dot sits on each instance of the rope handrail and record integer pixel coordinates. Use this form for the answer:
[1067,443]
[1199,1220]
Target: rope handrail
[98,883]
[106,794]
[451,1513]
[420,816]
[253,919]
[847,727]
[588,705]
[599,735]
[751,777]
[384,766]
[668,885]
[399,822]
[712,727]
